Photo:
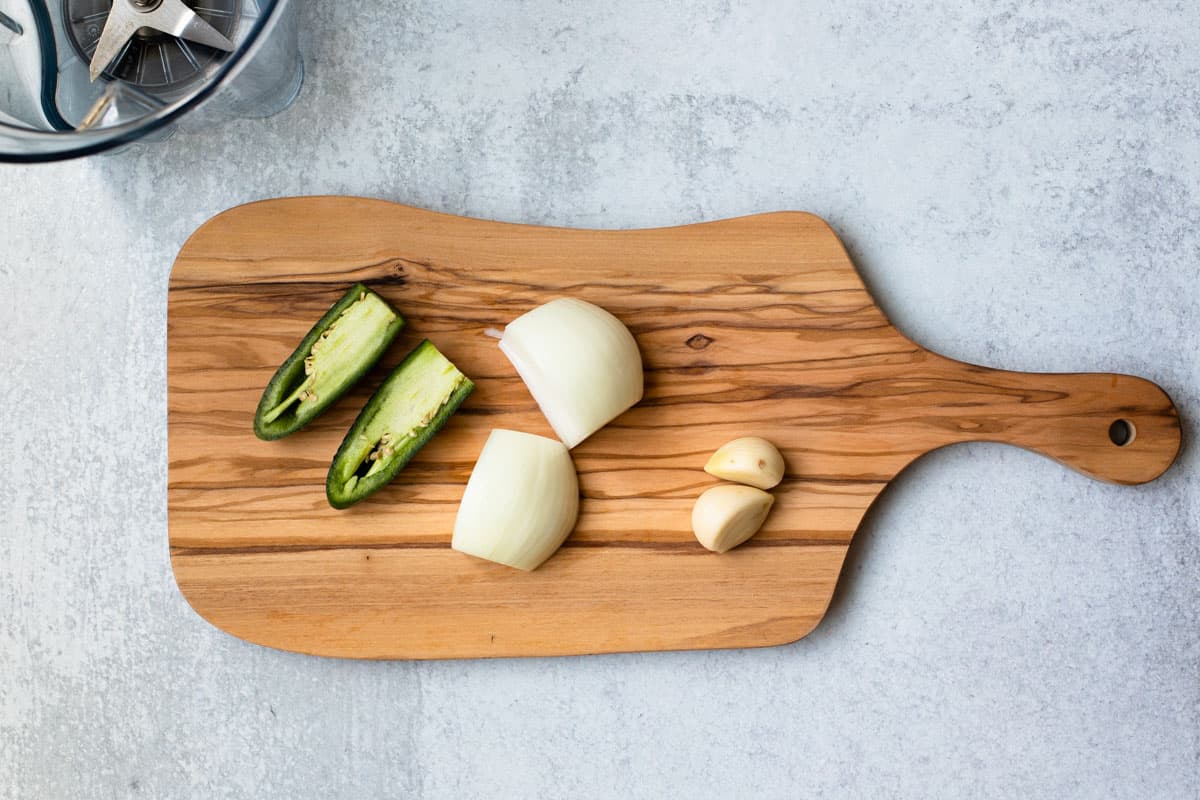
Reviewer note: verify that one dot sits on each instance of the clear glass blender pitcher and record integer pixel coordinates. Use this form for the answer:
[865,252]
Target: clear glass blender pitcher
[58,99]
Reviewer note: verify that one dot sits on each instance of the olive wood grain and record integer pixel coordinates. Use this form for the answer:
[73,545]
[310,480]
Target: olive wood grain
[751,326]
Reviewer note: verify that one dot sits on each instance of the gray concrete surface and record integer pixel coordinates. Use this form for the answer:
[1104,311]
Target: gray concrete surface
[1020,184]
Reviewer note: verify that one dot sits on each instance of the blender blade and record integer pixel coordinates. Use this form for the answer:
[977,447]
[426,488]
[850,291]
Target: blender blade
[172,17]
[11,26]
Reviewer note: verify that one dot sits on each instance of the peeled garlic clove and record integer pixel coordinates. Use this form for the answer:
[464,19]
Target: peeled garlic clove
[581,365]
[727,515]
[520,503]
[749,460]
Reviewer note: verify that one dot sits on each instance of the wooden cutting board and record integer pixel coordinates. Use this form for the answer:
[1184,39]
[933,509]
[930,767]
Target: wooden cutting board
[751,326]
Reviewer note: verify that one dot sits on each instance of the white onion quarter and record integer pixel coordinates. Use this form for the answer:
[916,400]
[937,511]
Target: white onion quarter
[521,500]
[581,365]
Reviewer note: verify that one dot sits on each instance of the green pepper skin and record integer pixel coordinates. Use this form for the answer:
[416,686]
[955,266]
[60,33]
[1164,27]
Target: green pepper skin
[291,373]
[349,455]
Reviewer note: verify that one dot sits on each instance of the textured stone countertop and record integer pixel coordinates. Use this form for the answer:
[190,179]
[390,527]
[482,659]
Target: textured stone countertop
[1019,183]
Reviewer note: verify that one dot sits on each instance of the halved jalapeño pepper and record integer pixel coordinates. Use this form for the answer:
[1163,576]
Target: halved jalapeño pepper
[404,413]
[339,349]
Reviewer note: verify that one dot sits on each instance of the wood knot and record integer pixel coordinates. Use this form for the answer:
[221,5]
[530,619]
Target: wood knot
[699,341]
[392,272]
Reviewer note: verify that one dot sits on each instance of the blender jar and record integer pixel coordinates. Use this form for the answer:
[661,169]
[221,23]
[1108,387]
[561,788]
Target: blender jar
[161,62]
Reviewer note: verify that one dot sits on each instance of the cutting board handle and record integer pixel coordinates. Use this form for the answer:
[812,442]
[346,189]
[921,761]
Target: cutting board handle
[1116,428]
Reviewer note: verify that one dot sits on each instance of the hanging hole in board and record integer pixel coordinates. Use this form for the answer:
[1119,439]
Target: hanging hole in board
[1121,432]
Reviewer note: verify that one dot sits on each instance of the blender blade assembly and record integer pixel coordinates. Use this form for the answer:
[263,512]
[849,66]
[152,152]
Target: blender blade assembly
[128,20]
